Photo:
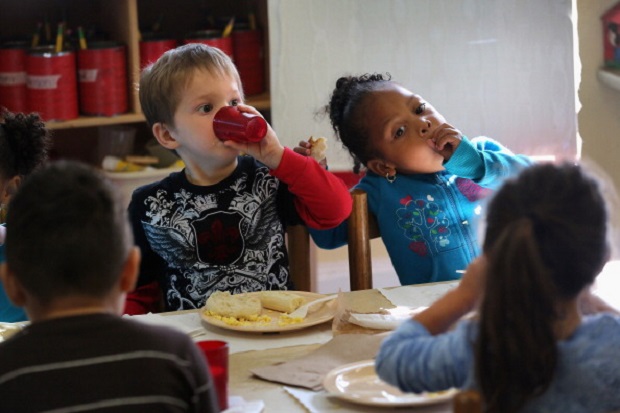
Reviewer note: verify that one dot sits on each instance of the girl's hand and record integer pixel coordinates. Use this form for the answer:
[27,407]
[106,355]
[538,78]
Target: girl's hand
[445,139]
[304,149]
[472,284]
[268,151]
[456,303]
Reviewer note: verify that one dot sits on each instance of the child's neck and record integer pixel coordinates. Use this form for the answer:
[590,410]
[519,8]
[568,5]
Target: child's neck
[569,318]
[198,175]
[72,306]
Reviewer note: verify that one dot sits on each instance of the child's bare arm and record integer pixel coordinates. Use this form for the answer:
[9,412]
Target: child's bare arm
[456,303]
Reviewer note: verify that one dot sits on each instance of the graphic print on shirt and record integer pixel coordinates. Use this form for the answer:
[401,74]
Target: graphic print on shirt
[425,224]
[229,240]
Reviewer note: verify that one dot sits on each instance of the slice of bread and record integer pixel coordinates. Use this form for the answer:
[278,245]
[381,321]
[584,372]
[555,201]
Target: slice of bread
[282,301]
[225,304]
[318,148]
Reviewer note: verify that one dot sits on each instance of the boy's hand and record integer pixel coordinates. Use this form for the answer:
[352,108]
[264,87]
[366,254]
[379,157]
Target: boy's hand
[445,139]
[268,151]
[305,148]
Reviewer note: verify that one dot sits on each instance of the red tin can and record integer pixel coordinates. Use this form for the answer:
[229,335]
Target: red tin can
[13,78]
[249,59]
[51,84]
[152,48]
[212,38]
[103,83]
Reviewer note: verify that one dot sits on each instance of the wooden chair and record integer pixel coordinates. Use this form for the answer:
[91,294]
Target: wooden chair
[362,228]
[467,401]
[298,245]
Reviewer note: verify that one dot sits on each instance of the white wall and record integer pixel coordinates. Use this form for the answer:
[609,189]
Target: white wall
[599,117]
[501,68]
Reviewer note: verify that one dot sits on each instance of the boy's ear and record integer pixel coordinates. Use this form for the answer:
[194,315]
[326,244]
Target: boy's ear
[381,167]
[129,274]
[163,136]
[12,286]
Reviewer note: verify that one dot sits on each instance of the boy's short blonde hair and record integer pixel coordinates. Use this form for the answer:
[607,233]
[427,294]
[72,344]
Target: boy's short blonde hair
[163,82]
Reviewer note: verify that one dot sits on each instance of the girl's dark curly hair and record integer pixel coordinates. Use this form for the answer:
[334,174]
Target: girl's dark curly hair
[24,143]
[347,120]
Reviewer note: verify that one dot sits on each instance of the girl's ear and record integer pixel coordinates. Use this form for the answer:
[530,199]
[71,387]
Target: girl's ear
[164,136]
[13,288]
[381,167]
[10,189]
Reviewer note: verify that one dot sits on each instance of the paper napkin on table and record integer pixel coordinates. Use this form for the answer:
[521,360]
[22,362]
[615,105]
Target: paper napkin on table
[237,404]
[389,319]
[417,295]
[186,322]
[309,371]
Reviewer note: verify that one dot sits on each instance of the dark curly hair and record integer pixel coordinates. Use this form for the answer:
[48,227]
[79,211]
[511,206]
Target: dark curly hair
[24,143]
[347,118]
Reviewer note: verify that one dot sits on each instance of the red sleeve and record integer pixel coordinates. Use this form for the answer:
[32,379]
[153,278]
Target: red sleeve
[321,198]
[144,299]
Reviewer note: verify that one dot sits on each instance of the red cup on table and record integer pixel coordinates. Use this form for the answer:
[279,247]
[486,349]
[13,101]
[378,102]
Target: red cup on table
[216,353]
[231,124]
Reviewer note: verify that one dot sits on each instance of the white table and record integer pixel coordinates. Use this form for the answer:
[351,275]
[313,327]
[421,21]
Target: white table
[249,351]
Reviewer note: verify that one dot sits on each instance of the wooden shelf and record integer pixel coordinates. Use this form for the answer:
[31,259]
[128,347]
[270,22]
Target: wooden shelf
[261,102]
[610,77]
[121,21]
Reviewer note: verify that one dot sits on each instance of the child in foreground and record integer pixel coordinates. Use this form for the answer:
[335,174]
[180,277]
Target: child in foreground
[532,349]
[425,180]
[24,146]
[218,225]
[70,262]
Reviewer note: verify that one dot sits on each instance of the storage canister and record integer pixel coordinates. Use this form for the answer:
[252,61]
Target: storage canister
[151,48]
[103,83]
[13,77]
[212,38]
[51,84]
[249,59]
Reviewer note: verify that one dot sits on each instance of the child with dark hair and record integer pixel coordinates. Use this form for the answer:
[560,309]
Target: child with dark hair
[531,349]
[24,146]
[70,263]
[218,225]
[425,180]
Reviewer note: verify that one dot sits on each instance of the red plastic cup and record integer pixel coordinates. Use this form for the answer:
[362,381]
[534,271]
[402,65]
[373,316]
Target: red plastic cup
[231,124]
[216,353]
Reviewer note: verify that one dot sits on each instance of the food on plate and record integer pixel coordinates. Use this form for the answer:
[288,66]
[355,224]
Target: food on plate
[282,301]
[239,306]
[318,148]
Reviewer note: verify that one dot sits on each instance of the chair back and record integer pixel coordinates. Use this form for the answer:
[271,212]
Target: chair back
[298,245]
[362,227]
[467,401]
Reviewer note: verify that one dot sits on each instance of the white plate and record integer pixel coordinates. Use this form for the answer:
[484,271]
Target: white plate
[8,329]
[321,314]
[359,383]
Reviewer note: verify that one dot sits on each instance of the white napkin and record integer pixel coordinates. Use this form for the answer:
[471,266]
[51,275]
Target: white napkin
[417,295]
[187,322]
[390,319]
[323,402]
[237,404]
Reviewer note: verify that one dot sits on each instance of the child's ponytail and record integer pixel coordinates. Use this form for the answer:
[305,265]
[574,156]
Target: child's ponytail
[515,351]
